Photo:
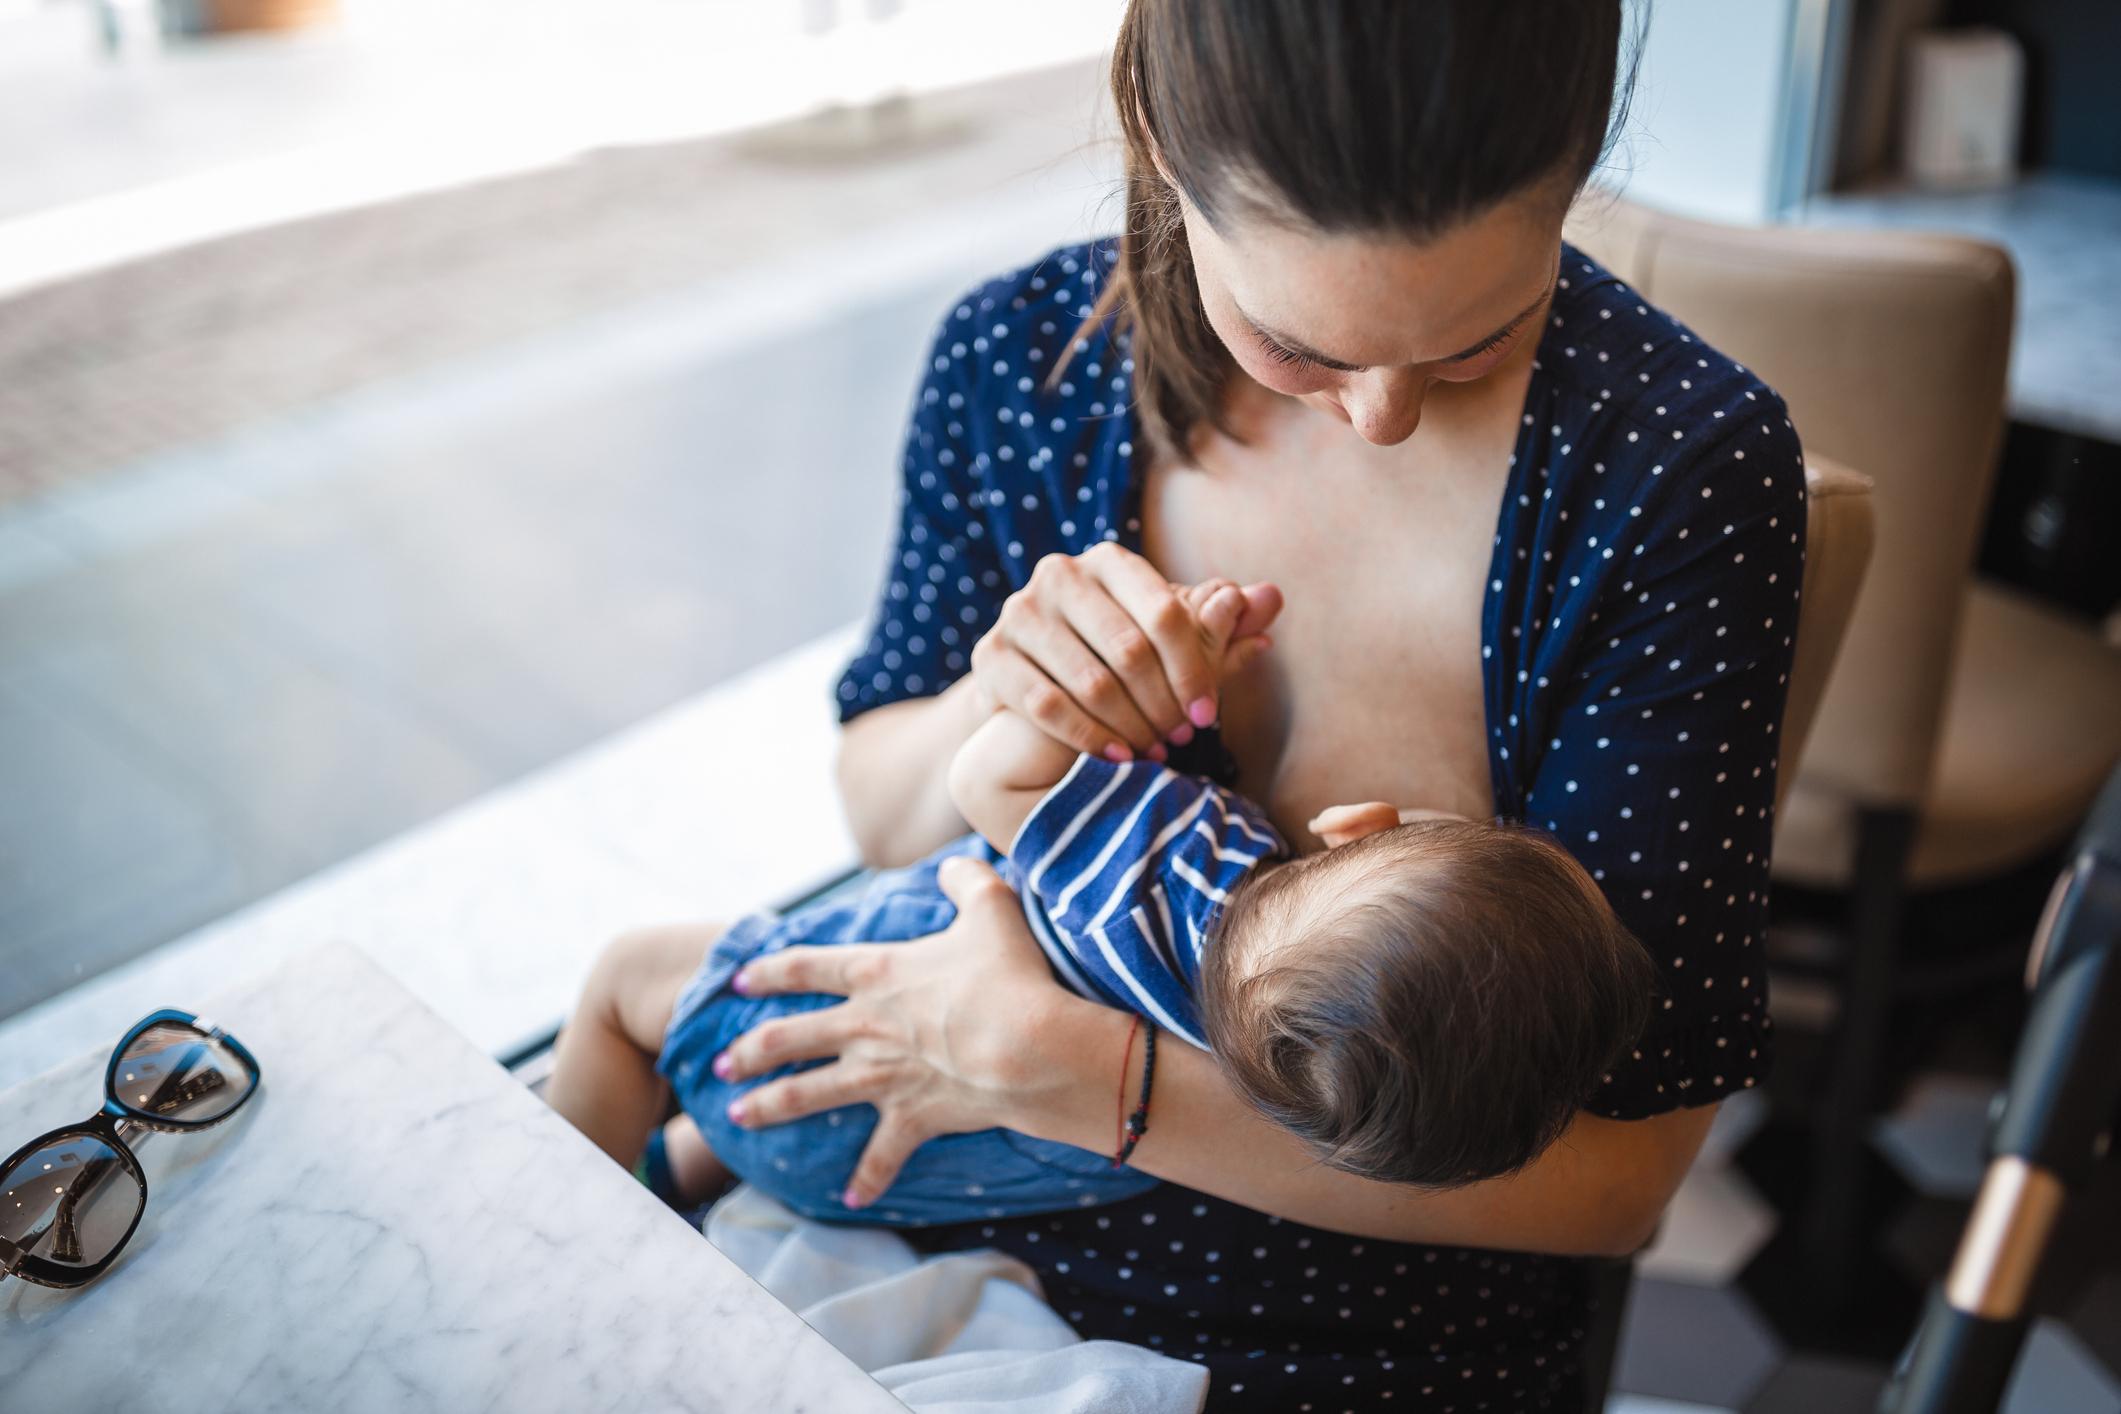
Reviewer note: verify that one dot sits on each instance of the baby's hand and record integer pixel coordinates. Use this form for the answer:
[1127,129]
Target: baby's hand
[1344,824]
[1232,621]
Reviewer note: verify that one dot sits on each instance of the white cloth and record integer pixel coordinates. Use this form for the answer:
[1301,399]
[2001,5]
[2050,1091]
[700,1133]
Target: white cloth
[961,1333]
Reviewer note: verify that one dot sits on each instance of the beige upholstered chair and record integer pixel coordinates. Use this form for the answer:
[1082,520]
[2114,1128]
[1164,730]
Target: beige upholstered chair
[1988,719]
[1839,532]
[1968,728]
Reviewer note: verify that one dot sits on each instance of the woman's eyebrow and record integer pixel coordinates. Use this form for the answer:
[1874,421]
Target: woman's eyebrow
[1298,346]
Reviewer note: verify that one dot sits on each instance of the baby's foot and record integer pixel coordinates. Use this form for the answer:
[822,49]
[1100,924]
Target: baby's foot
[696,1175]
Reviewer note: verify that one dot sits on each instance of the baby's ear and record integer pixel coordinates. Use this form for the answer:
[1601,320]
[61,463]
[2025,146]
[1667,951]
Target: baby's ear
[1344,824]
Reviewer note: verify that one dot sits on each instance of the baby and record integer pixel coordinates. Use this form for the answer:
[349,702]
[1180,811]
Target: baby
[1427,1001]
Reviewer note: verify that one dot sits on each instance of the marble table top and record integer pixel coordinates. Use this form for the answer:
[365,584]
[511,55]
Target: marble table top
[2064,232]
[393,1223]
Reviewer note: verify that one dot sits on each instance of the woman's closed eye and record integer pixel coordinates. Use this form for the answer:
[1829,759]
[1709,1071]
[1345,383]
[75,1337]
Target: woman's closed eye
[1304,363]
[1493,342]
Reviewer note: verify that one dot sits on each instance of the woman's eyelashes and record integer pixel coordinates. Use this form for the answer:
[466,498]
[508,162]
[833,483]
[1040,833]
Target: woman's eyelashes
[1304,363]
[1494,342]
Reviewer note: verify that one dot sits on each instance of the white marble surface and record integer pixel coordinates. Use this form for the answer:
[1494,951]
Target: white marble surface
[493,913]
[393,1223]
[2064,232]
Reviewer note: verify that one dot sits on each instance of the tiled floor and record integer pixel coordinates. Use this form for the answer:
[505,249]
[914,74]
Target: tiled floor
[1710,1318]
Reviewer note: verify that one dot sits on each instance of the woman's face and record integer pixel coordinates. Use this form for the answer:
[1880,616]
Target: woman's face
[1362,326]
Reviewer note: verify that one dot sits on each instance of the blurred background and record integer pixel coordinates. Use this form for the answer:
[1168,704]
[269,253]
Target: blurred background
[394,402]
[398,396]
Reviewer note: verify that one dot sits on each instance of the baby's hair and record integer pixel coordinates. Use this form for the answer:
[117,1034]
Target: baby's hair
[1430,1004]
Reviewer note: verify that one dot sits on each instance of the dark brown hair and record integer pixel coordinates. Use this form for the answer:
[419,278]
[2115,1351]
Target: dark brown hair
[1430,1004]
[1389,117]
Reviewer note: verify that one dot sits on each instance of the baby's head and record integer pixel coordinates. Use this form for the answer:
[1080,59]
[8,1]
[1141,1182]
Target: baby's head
[1430,1004]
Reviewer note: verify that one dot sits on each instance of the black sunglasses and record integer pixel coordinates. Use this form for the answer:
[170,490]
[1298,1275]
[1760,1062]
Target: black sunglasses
[70,1199]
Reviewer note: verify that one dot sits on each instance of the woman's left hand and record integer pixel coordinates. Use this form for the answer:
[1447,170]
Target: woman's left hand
[937,1033]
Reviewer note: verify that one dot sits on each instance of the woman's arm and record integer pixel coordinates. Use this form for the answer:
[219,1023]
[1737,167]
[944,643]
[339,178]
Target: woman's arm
[1598,1191]
[967,1030]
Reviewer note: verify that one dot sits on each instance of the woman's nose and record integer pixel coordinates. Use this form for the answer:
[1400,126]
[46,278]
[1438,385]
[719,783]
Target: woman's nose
[1384,404]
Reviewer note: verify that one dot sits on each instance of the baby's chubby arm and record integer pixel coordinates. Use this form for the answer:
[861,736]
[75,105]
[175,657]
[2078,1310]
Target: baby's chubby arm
[1008,764]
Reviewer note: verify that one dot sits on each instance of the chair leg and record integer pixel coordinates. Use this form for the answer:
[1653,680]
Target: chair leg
[1612,1280]
[1832,1226]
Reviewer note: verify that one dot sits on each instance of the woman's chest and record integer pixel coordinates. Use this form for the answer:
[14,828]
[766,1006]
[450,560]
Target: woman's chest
[1374,687]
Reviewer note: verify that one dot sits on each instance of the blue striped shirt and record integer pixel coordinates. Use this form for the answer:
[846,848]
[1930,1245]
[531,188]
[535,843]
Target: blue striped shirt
[1122,869]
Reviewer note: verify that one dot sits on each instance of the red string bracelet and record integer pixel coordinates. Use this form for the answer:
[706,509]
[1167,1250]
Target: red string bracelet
[1137,1124]
[1119,1100]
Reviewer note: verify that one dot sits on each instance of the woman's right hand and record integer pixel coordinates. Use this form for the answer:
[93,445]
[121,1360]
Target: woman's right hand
[1104,654]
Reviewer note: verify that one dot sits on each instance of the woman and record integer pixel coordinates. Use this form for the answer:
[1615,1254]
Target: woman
[1540,549]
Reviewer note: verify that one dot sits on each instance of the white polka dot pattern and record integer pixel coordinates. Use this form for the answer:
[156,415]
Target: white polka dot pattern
[1637,636]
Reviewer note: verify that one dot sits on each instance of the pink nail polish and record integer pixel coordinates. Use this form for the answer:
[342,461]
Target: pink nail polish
[736,1112]
[723,1066]
[1157,752]
[851,1199]
[1202,711]
[1116,753]
[740,984]
[1182,733]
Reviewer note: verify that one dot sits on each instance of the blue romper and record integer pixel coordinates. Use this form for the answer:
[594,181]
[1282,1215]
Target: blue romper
[1636,640]
[1122,869]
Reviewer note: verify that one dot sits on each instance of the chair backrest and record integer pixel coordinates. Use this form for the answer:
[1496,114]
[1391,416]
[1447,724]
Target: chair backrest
[1890,348]
[1838,534]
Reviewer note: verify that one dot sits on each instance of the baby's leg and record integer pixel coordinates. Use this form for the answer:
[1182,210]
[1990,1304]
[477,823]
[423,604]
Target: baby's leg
[604,1080]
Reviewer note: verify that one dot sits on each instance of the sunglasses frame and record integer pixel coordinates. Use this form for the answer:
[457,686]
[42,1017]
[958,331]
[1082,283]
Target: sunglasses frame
[109,1127]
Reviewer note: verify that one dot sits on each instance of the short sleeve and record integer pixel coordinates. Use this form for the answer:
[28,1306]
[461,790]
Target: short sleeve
[1129,863]
[1660,756]
[943,587]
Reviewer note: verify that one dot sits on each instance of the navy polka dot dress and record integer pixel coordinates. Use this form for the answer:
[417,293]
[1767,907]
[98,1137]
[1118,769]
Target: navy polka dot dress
[1637,636]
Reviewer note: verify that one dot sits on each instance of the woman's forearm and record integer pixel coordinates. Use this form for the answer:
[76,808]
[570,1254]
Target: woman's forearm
[893,772]
[1598,1191]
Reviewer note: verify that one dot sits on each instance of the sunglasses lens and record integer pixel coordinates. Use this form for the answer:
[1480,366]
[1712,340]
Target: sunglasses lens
[71,1201]
[171,1071]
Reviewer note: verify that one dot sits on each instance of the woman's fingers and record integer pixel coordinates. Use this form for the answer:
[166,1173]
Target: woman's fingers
[972,885]
[836,971]
[1075,658]
[1188,681]
[809,1092]
[1021,685]
[1133,671]
[890,1145]
[785,1040]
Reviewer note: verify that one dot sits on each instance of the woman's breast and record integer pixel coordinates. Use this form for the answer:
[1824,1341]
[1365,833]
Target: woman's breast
[1373,689]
